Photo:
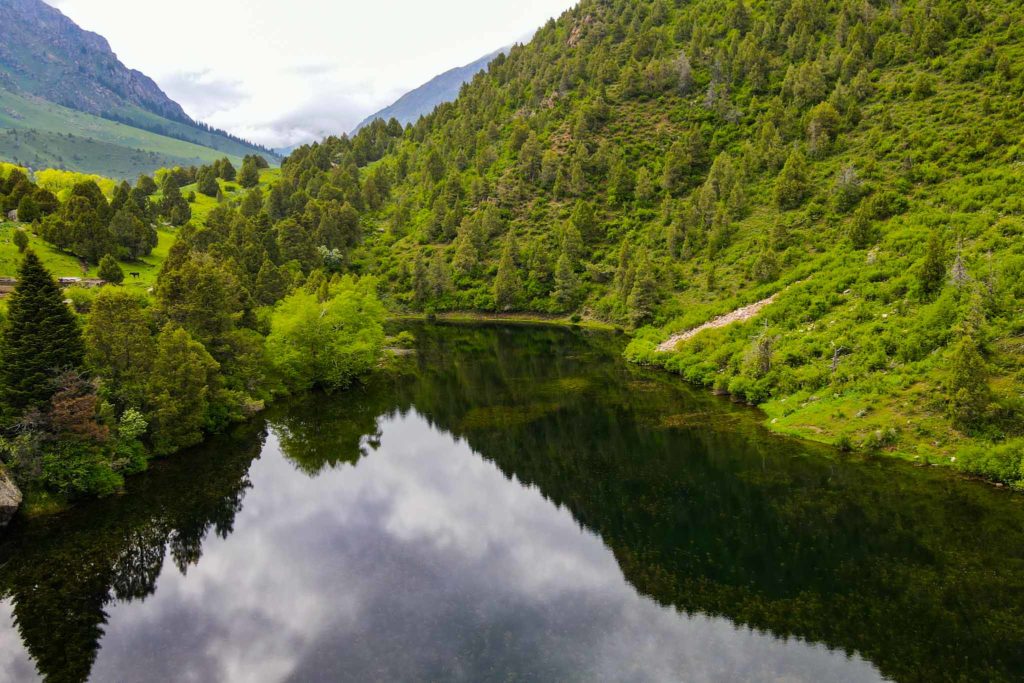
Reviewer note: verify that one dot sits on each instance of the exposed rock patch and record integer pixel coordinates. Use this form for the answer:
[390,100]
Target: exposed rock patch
[10,498]
[739,315]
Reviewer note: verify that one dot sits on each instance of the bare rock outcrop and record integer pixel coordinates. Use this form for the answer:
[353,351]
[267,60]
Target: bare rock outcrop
[10,497]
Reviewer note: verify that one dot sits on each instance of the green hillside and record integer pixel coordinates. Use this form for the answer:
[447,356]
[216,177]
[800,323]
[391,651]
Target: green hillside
[39,134]
[57,80]
[854,170]
[656,165]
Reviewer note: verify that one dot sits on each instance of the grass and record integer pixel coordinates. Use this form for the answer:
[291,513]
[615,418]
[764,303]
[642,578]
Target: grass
[40,134]
[62,264]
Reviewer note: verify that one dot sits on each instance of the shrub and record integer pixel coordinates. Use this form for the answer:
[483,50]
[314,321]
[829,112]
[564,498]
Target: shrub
[1002,463]
[110,271]
[79,469]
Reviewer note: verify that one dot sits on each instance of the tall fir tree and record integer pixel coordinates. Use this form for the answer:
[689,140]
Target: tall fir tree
[40,339]
[931,274]
[508,287]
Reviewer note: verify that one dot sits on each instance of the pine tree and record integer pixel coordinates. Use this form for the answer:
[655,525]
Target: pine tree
[420,282]
[969,393]
[508,287]
[252,202]
[20,240]
[227,170]
[931,274]
[791,187]
[862,229]
[174,207]
[110,271]
[249,176]
[147,185]
[206,182]
[566,283]
[28,209]
[643,297]
[39,340]
[676,173]
[584,220]
[271,283]
[645,189]
[438,278]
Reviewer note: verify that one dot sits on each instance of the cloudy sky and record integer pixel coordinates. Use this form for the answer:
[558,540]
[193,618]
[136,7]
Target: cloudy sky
[284,72]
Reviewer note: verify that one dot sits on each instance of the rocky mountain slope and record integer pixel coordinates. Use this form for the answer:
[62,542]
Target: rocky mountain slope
[49,63]
[46,54]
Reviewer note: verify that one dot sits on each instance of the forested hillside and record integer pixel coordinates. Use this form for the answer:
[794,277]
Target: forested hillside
[644,164]
[658,164]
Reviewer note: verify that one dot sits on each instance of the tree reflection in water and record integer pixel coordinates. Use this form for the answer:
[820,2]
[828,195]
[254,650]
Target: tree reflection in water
[919,573]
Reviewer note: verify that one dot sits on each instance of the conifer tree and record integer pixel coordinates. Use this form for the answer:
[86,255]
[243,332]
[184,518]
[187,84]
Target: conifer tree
[252,202]
[643,296]
[791,186]
[206,182]
[862,229]
[585,221]
[931,274]
[28,209]
[566,283]
[20,240]
[227,170]
[508,287]
[249,175]
[147,185]
[645,189]
[110,271]
[174,207]
[39,339]
[968,393]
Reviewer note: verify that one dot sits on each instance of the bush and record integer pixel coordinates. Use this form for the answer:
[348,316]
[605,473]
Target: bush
[20,240]
[78,469]
[881,438]
[404,340]
[110,271]
[81,298]
[1003,463]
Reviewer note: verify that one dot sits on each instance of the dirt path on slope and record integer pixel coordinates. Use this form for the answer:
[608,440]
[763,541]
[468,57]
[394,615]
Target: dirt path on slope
[739,315]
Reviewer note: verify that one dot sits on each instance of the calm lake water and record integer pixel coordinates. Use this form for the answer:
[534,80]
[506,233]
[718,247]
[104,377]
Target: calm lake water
[519,504]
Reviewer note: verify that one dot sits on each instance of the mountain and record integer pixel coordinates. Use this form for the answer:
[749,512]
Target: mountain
[57,80]
[424,99]
[853,168]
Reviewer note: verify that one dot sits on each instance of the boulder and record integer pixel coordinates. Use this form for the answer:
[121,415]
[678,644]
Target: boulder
[10,497]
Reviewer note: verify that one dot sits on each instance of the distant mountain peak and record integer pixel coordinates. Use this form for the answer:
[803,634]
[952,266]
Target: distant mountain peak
[438,90]
[44,53]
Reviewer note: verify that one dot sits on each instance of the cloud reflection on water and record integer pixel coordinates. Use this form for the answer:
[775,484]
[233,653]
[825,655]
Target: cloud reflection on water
[423,562]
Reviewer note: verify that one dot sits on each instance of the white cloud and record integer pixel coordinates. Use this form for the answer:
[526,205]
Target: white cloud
[279,72]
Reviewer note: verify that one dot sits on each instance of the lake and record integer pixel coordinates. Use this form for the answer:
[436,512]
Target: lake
[517,503]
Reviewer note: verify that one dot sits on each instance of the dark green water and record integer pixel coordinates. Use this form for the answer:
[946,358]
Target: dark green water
[519,504]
